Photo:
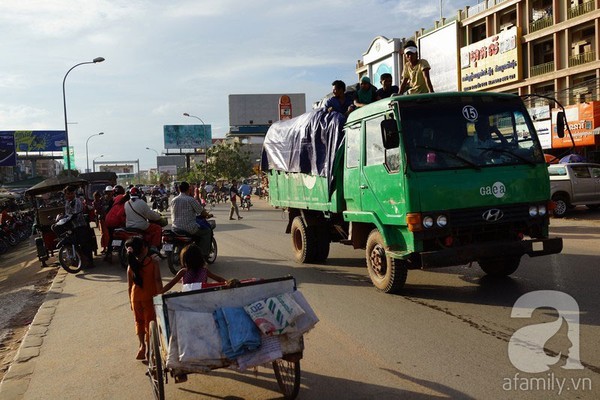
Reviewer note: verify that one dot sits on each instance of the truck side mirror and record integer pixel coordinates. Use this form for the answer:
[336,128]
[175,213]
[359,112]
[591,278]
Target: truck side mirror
[560,124]
[390,134]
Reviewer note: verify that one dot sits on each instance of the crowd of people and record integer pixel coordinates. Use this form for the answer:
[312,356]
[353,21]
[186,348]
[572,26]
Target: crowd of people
[415,79]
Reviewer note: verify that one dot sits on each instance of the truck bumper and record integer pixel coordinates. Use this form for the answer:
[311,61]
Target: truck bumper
[466,254]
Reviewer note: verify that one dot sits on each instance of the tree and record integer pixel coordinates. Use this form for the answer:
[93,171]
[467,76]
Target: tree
[228,161]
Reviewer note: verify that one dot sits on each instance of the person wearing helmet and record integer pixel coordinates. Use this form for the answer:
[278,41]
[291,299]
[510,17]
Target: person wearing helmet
[138,215]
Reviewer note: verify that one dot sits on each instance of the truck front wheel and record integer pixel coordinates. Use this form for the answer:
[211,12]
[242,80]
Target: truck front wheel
[500,266]
[387,274]
[304,241]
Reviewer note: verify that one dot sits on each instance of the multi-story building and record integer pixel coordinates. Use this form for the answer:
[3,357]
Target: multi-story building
[547,47]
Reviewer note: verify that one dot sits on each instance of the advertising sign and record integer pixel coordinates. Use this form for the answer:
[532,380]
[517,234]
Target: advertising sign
[187,136]
[543,129]
[71,157]
[440,49]
[285,108]
[8,155]
[27,141]
[582,119]
[169,169]
[490,62]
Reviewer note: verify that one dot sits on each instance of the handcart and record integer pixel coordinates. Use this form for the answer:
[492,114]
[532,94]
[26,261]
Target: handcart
[181,321]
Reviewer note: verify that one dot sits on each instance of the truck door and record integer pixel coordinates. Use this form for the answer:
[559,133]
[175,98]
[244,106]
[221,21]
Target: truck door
[596,176]
[583,183]
[352,192]
[381,183]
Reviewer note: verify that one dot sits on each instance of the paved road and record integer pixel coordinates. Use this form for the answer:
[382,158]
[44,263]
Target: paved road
[445,337]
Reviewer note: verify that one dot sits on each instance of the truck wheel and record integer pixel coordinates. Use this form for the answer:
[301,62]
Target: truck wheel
[500,266]
[323,242]
[387,274]
[303,241]
[561,205]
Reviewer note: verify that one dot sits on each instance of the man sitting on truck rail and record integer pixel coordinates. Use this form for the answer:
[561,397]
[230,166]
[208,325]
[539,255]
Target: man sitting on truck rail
[340,102]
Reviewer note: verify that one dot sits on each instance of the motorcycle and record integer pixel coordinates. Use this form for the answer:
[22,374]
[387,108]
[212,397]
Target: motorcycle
[174,241]
[159,202]
[119,237]
[69,252]
[246,202]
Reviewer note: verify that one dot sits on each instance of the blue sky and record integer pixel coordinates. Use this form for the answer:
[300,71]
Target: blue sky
[164,58]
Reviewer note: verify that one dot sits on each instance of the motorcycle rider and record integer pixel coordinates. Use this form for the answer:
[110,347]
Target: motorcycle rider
[138,215]
[184,209]
[74,207]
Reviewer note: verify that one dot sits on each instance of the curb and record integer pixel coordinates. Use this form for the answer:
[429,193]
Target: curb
[17,378]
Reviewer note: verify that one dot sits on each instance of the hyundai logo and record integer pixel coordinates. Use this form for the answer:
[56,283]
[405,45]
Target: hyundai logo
[493,215]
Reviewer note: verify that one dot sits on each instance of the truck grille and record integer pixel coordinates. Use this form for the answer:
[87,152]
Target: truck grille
[491,215]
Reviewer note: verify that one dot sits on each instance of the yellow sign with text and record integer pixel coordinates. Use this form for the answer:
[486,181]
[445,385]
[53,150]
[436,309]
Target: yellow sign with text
[491,62]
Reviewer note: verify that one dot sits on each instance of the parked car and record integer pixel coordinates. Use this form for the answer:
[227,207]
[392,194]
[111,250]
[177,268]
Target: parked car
[574,184]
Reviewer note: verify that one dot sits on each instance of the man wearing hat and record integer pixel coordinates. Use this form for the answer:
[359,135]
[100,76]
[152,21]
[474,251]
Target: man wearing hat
[415,76]
[366,94]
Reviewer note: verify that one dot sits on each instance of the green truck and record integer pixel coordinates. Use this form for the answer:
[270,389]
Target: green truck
[418,181]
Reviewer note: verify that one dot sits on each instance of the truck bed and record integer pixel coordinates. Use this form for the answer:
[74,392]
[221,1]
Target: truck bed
[298,190]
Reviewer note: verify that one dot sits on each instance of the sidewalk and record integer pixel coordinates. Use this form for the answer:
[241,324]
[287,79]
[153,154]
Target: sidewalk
[65,356]
[82,342]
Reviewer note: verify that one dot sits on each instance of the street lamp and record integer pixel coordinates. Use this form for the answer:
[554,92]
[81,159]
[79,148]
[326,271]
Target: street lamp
[94,162]
[87,156]
[203,138]
[94,61]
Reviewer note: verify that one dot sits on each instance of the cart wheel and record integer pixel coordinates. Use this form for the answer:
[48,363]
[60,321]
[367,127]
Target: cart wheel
[288,377]
[155,370]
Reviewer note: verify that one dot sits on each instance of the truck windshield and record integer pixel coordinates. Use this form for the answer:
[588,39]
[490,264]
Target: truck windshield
[468,132]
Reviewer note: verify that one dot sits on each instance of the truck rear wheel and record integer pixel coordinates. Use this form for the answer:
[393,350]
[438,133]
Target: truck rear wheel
[500,266]
[387,274]
[304,241]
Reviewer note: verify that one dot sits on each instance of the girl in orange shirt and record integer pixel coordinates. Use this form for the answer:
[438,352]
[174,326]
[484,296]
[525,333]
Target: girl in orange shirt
[144,282]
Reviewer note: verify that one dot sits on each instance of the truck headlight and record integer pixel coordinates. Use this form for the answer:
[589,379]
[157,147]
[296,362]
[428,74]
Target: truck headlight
[427,222]
[441,221]
[542,210]
[533,211]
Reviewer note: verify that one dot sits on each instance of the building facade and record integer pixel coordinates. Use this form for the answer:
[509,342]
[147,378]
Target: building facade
[546,47]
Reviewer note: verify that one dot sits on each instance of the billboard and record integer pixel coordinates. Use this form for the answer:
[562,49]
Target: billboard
[582,119]
[440,49]
[8,155]
[259,109]
[28,141]
[118,169]
[493,61]
[187,136]
[71,159]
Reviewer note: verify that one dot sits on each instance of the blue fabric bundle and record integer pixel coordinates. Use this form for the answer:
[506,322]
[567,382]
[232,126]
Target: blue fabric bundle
[239,334]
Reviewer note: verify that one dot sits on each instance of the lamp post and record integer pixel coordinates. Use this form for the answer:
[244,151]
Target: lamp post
[203,138]
[94,61]
[94,162]
[87,156]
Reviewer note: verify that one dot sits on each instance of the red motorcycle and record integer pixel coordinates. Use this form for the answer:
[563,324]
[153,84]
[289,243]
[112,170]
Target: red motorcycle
[174,241]
[246,202]
[119,237]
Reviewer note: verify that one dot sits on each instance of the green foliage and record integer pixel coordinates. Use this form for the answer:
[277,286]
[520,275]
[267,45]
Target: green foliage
[226,161]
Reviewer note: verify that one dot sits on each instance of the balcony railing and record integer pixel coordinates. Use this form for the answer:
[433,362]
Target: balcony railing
[580,9]
[541,69]
[582,58]
[540,24]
